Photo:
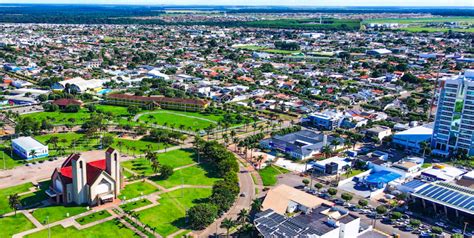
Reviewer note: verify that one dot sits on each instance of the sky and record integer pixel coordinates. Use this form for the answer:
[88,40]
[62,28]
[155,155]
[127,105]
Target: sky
[323,3]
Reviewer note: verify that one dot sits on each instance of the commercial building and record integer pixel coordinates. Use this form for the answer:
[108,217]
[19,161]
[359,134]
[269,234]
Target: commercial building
[81,181]
[442,172]
[453,129]
[412,138]
[285,199]
[333,165]
[327,120]
[378,132]
[183,104]
[313,216]
[447,199]
[301,144]
[79,85]
[29,148]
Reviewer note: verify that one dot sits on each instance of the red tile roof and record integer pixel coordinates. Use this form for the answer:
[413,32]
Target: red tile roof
[93,169]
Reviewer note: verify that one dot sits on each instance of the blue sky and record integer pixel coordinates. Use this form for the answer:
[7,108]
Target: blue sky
[451,3]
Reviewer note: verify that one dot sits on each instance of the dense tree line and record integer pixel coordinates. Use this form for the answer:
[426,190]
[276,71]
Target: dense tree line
[224,192]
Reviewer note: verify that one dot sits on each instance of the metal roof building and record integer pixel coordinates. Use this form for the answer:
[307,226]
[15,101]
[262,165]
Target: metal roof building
[447,198]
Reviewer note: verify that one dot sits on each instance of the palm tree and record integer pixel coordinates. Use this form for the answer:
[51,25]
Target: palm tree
[347,143]
[243,216]
[257,205]
[335,143]
[227,224]
[14,201]
[33,153]
[155,165]
[326,150]
[236,141]
[259,161]
[54,140]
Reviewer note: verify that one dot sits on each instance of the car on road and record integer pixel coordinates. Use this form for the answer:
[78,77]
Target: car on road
[339,202]
[457,230]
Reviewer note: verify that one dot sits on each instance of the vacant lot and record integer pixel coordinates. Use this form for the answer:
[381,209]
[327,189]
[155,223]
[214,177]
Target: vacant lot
[270,174]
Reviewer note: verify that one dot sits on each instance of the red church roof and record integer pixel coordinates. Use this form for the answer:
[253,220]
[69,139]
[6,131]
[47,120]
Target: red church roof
[93,169]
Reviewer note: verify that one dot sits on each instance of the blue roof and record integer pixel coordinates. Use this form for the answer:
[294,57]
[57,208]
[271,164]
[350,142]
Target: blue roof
[414,183]
[451,195]
[382,177]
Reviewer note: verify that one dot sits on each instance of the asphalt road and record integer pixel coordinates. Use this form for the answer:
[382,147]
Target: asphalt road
[247,187]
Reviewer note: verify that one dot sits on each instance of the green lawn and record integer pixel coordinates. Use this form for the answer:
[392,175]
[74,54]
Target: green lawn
[269,174]
[426,165]
[177,118]
[61,118]
[80,142]
[168,216]
[78,118]
[194,175]
[353,173]
[182,234]
[137,189]
[174,158]
[93,217]
[420,20]
[14,224]
[56,213]
[135,147]
[69,141]
[134,205]
[110,229]
[10,162]
[5,192]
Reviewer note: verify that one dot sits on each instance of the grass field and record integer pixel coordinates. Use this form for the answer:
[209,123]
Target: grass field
[133,205]
[14,224]
[5,192]
[137,189]
[56,213]
[73,141]
[269,174]
[10,161]
[70,141]
[110,229]
[420,20]
[77,118]
[168,216]
[136,146]
[190,120]
[194,175]
[93,217]
[174,158]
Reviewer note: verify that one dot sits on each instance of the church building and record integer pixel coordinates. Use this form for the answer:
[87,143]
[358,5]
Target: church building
[83,180]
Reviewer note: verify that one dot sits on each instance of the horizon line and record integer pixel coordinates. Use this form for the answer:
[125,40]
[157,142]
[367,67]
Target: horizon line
[232,5]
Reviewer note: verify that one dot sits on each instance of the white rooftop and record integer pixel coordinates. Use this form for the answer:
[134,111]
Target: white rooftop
[419,130]
[27,143]
[447,173]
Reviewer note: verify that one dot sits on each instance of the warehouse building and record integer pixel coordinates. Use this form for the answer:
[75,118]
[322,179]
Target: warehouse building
[29,148]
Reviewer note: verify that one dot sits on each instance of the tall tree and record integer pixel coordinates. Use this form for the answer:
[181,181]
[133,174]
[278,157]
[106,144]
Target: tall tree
[14,202]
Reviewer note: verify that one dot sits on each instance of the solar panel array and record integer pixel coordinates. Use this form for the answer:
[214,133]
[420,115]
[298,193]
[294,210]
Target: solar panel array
[276,225]
[450,194]
[414,183]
